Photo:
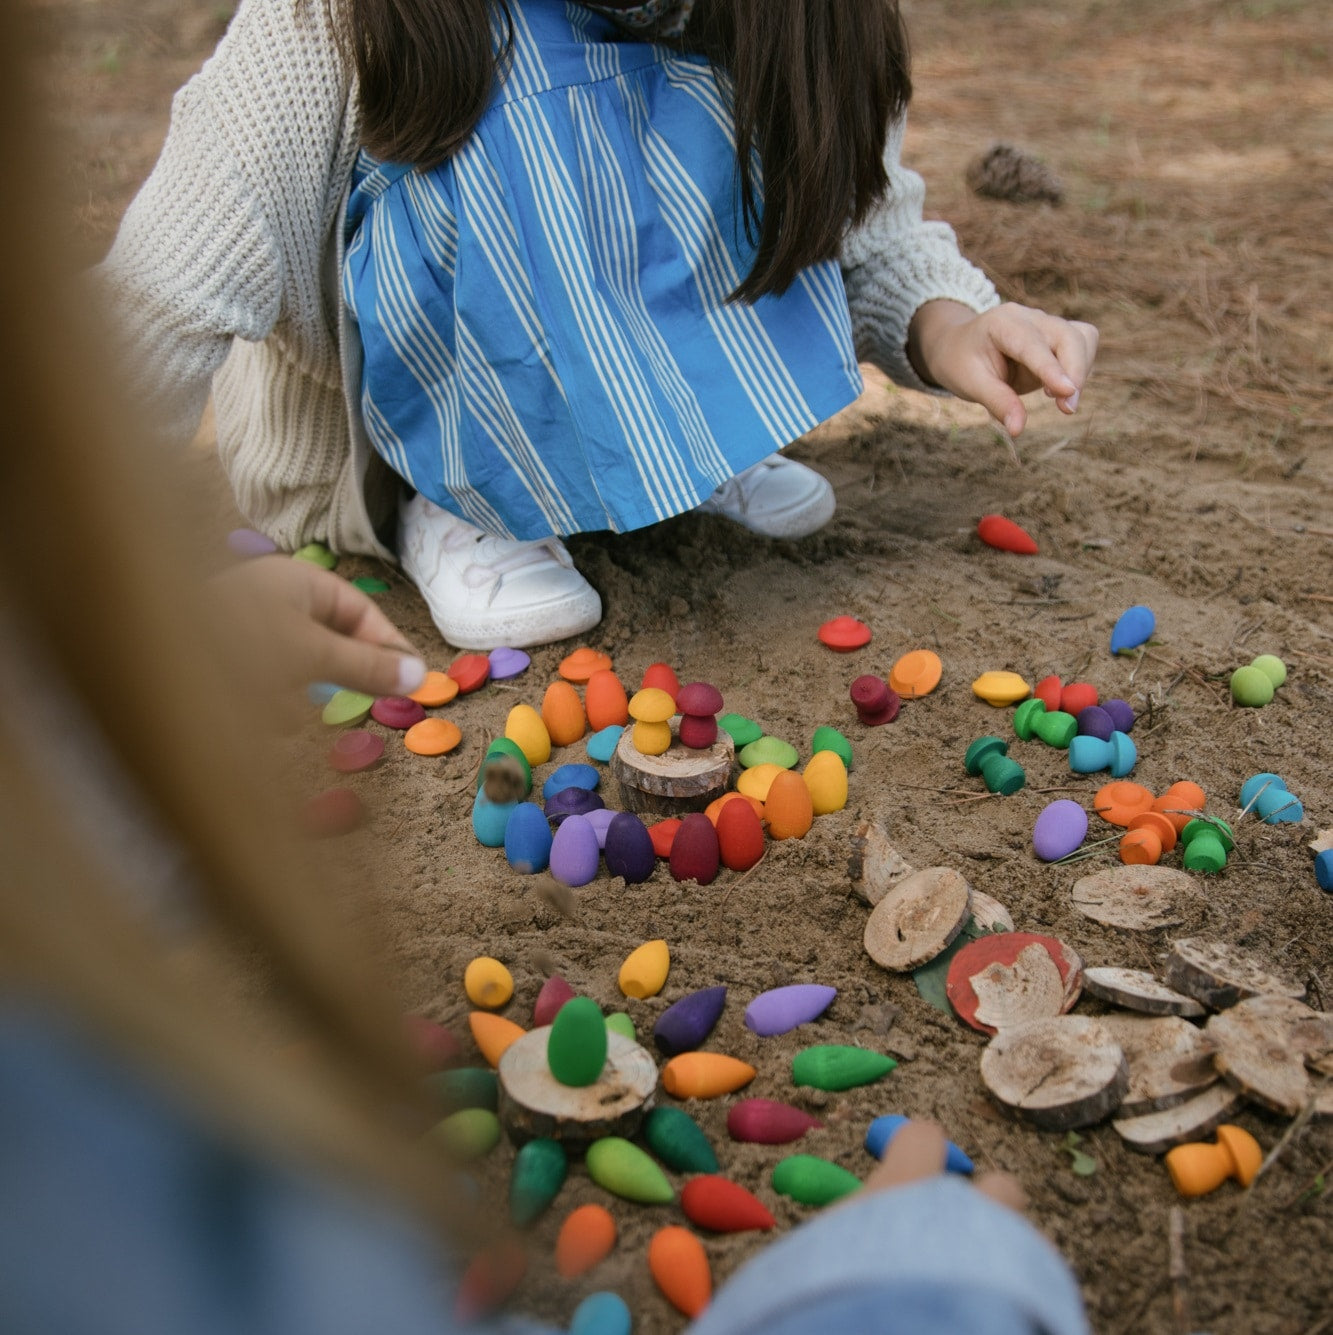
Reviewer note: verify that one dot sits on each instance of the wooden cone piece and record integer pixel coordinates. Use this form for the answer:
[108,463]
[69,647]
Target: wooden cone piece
[534,1103]
[1170,1061]
[1061,1072]
[1262,1045]
[1155,1133]
[875,866]
[678,781]
[679,1265]
[917,918]
[1219,975]
[1138,898]
[1138,990]
[1006,978]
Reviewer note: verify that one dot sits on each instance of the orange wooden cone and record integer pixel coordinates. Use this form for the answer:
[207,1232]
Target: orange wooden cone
[586,1237]
[493,1034]
[679,1265]
[705,1075]
[493,1275]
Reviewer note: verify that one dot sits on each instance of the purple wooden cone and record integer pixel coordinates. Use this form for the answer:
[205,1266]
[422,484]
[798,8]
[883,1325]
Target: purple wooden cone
[783,1008]
[686,1023]
[555,992]
[768,1123]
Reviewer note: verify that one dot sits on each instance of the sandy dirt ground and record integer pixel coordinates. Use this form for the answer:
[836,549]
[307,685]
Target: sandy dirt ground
[1194,139]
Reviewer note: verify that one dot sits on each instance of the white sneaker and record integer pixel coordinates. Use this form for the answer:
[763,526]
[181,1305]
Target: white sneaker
[484,591]
[776,497]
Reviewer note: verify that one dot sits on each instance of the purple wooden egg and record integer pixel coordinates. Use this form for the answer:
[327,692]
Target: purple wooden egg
[685,1024]
[1059,830]
[572,802]
[783,1008]
[396,711]
[694,851]
[1094,721]
[1121,712]
[555,992]
[629,848]
[766,1122]
[574,851]
[600,819]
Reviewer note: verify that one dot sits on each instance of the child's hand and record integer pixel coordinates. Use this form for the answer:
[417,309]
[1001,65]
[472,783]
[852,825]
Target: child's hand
[994,357]
[918,1150]
[301,624]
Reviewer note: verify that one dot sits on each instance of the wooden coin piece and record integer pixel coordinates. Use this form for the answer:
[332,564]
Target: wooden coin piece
[1137,898]
[875,866]
[1262,1045]
[918,918]
[1170,1061]
[1060,1072]
[1155,1133]
[534,1103]
[1007,978]
[990,914]
[1219,975]
[1138,990]
[680,780]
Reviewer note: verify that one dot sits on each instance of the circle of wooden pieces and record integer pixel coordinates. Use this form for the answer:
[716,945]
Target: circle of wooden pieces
[1060,1072]
[875,866]
[1219,975]
[679,780]
[534,1103]
[1137,990]
[1007,978]
[1157,1132]
[1137,898]
[918,918]
[1262,1045]
[1170,1061]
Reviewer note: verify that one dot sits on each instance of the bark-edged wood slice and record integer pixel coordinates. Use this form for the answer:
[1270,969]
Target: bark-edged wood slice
[1219,975]
[1002,979]
[1061,1072]
[875,866]
[678,781]
[917,918]
[990,914]
[1170,1061]
[1262,1047]
[1137,990]
[1322,841]
[1155,1133]
[1138,898]
[534,1103]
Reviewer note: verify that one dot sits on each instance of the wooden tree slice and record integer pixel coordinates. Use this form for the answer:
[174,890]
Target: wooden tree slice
[1322,841]
[917,918]
[534,1103]
[1262,1046]
[1219,975]
[678,781]
[1060,1072]
[1007,978]
[990,914]
[1137,898]
[875,866]
[1170,1061]
[1138,990]
[1155,1133]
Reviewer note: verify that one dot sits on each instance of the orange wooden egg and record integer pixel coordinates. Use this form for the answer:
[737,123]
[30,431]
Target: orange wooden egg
[740,835]
[493,1034]
[788,807]
[605,701]
[705,1075]
[586,1237]
[679,1266]
[562,712]
[662,677]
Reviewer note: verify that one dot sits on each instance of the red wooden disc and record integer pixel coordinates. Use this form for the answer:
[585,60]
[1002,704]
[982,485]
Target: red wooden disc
[470,671]
[844,634]
[1004,948]
[663,835]
[997,531]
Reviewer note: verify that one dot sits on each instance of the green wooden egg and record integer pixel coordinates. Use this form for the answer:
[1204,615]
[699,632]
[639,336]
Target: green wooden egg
[830,739]
[576,1049]
[620,1023]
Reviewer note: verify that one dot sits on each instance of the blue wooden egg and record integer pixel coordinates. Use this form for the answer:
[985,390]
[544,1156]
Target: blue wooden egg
[528,839]
[629,848]
[574,852]
[489,820]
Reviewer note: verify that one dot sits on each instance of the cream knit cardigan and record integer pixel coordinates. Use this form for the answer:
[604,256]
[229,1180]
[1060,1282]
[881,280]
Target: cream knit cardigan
[225,273]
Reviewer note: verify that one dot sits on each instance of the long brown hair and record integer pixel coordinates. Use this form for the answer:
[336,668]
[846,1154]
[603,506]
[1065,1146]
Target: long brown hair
[815,84]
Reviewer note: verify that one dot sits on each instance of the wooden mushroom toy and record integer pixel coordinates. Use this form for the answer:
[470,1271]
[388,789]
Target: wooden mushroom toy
[1200,1168]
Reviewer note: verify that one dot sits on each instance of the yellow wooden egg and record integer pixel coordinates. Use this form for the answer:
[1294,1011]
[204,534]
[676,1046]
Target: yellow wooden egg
[524,727]
[826,778]
[1001,688]
[645,970]
[651,705]
[758,779]
[788,809]
[651,739]
[488,983]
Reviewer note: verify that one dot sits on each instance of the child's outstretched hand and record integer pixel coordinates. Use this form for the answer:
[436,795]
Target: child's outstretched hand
[993,357]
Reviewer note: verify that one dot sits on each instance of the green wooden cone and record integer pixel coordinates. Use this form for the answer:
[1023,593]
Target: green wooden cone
[468,1134]
[832,1066]
[465,1087]
[539,1173]
[625,1170]
[678,1140]
[622,1024]
[576,1049]
[813,1181]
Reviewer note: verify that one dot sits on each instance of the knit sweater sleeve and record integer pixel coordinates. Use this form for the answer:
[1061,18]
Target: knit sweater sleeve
[895,262]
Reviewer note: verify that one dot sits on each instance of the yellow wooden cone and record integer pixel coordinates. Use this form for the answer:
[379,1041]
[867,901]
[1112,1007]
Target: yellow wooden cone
[645,971]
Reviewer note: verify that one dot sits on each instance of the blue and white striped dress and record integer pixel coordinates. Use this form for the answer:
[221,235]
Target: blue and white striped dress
[548,348]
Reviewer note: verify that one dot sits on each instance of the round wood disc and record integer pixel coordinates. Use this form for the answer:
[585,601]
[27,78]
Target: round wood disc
[1061,1072]
[1137,990]
[1219,975]
[990,914]
[1007,978]
[1138,898]
[678,781]
[875,866]
[1195,1119]
[917,918]
[1262,1045]
[534,1103]
[1170,1061]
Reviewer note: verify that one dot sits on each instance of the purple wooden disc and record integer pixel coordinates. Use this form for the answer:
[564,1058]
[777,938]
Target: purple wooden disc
[686,1023]
[396,711]
[355,750]
[1121,712]
[571,802]
[783,1008]
[1059,830]
[246,542]
[506,663]
[1094,721]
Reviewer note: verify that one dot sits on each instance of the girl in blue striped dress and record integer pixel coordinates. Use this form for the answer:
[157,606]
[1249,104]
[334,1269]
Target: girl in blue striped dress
[606,280]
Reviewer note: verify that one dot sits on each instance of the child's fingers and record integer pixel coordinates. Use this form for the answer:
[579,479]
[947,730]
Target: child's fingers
[916,1151]
[1003,1189]
[358,665]
[1032,342]
[344,608]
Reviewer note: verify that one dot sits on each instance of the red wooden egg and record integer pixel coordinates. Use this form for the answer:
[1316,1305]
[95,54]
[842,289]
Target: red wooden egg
[713,1202]
[740,836]
[694,852]
[1004,534]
